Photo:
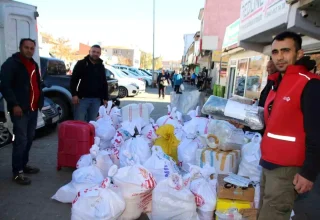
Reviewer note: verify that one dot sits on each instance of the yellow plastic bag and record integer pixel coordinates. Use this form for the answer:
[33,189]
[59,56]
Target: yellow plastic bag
[167,141]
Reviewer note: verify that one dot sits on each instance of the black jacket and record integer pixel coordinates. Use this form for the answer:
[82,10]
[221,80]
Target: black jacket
[89,80]
[15,84]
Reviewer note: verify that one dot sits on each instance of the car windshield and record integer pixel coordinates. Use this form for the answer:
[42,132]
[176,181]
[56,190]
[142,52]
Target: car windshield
[120,73]
[146,72]
[117,72]
[133,73]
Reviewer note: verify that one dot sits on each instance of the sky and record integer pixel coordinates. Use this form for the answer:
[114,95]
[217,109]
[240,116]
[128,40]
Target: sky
[121,22]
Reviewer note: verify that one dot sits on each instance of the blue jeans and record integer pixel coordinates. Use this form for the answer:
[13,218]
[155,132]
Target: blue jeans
[24,128]
[87,109]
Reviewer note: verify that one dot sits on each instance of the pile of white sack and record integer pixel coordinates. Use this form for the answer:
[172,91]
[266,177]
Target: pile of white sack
[125,175]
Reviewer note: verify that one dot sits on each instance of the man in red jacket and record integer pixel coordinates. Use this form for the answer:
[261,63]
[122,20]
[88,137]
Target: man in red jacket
[291,143]
[21,88]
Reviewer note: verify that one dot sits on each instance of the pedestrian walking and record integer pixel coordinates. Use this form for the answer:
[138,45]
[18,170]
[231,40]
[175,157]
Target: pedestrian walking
[162,83]
[178,80]
[291,144]
[89,86]
[171,78]
[193,78]
[22,90]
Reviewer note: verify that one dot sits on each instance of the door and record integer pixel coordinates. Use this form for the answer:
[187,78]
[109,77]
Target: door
[19,21]
[231,81]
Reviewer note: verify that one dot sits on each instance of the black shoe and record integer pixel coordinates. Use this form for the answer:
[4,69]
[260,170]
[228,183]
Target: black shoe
[21,179]
[31,170]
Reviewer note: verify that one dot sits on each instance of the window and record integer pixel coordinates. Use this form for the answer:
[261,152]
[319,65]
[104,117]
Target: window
[56,67]
[254,77]
[240,81]
[108,73]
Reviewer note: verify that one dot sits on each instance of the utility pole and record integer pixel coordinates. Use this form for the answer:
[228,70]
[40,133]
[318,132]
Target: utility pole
[154,24]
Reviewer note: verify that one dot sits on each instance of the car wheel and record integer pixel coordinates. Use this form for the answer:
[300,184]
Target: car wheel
[62,108]
[123,92]
[5,136]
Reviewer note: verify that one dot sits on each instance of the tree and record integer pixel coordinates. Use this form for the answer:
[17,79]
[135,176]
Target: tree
[146,60]
[157,63]
[125,61]
[62,49]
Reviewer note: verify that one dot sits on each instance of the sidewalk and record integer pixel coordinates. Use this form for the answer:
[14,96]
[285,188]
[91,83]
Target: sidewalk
[34,203]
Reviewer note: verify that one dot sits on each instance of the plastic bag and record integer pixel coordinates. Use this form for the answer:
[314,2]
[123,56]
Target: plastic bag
[82,178]
[160,164]
[230,137]
[251,154]
[204,188]
[98,157]
[224,109]
[187,151]
[134,111]
[231,214]
[187,101]
[99,202]
[167,141]
[136,146]
[104,128]
[136,184]
[171,199]
[171,118]
[149,131]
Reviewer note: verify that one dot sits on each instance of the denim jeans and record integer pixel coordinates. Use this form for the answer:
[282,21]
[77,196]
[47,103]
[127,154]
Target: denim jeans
[87,109]
[24,128]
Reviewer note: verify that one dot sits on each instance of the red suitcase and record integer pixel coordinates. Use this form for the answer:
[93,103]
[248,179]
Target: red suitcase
[75,140]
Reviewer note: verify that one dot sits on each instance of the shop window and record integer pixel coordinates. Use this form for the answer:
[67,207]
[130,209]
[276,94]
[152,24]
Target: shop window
[254,77]
[240,81]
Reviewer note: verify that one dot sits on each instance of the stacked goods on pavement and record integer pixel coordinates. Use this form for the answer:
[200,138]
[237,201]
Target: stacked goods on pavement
[204,168]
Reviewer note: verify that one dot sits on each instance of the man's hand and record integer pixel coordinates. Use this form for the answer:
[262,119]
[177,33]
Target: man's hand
[105,102]
[17,111]
[302,185]
[75,100]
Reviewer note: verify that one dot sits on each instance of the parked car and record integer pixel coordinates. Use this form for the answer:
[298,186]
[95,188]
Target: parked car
[57,83]
[146,72]
[127,86]
[136,72]
[49,117]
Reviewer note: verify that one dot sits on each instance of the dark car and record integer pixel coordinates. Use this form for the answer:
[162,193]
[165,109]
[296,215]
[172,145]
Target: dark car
[49,113]
[57,82]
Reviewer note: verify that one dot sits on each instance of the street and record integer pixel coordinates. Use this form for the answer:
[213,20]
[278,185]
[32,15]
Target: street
[34,202]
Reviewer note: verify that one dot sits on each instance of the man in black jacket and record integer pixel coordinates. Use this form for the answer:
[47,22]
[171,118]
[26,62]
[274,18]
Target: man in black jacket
[89,86]
[22,90]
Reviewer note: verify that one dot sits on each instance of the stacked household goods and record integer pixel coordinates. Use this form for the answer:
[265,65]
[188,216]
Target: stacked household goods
[168,169]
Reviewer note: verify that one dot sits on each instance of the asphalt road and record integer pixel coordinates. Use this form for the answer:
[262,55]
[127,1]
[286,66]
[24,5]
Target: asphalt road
[33,202]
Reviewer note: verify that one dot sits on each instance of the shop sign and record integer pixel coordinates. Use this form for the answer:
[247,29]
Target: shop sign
[256,13]
[217,56]
[231,37]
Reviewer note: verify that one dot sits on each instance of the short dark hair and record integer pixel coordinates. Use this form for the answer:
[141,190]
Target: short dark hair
[26,39]
[291,35]
[96,46]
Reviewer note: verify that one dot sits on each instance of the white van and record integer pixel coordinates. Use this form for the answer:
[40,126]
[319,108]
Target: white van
[17,21]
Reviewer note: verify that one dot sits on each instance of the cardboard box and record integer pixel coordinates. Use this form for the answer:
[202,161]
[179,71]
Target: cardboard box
[223,161]
[229,191]
[249,214]
[225,204]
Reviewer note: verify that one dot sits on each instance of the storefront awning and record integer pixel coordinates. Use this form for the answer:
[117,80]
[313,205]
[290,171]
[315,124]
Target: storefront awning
[260,22]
